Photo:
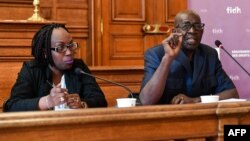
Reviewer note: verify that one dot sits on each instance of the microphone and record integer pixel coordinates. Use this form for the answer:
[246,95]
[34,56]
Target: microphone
[79,71]
[219,45]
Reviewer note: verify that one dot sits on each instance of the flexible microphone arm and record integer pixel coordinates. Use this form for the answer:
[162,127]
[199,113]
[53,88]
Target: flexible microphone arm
[219,45]
[80,71]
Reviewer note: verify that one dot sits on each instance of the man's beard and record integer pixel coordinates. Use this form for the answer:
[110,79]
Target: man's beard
[188,47]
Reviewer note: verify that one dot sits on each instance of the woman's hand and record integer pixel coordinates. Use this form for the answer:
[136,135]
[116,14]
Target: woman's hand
[74,101]
[57,96]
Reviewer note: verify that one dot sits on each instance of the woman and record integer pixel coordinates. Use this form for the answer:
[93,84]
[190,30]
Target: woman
[49,80]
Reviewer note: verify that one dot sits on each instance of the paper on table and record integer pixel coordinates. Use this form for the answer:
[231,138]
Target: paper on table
[232,100]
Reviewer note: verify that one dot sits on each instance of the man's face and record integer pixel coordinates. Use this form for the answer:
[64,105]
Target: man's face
[192,29]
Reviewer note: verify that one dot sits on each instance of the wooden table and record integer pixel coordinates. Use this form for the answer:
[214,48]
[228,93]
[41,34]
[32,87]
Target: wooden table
[167,122]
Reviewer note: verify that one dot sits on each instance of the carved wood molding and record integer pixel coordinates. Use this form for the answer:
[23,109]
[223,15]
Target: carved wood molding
[121,14]
[118,74]
[29,2]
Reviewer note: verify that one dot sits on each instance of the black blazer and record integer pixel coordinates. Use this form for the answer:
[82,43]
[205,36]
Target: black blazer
[32,84]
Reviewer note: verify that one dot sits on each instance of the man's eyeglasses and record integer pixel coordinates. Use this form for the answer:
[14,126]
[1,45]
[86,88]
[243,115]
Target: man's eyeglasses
[63,48]
[187,26]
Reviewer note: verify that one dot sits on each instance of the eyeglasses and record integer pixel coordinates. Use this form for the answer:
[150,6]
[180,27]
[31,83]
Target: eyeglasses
[187,26]
[63,48]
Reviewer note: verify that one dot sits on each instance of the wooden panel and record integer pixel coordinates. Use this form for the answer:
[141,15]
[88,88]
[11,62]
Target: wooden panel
[124,11]
[15,39]
[113,92]
[73,3]
[137,123]
[18,52]
[123,42]
[7,78]
[173,7]
[16,9]
[75,12]
[122,47]
[74,17]
[130,77]
[126,18]
[20,13]
[17,1]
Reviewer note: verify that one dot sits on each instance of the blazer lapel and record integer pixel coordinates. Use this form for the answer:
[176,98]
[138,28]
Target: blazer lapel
[183,60]
[72,84]
[198,64]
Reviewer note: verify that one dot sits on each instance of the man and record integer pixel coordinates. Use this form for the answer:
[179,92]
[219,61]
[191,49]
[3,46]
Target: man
[182,69]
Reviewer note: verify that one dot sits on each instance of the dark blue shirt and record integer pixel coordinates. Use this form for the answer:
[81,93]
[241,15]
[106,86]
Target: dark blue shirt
[203,76]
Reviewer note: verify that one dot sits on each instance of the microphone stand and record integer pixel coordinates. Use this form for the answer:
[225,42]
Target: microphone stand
[235,60]
[130,92]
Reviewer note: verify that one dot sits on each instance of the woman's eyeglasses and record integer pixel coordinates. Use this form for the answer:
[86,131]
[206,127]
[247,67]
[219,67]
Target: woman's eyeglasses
[63,48]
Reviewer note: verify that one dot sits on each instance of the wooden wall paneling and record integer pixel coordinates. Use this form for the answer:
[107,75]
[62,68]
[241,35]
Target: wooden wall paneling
[75,12]
[161,12]
[123,40]
[16,9]
[15,37]
[155,14]
[122,32]
[96,31]
[172,8]
[130,10]
[130,77]
[122,47]
[8,76]
[48,9]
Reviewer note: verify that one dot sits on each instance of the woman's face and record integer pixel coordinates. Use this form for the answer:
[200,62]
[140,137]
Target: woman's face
[63,59]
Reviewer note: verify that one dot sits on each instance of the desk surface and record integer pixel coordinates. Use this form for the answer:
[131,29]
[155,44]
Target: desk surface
[189,121]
